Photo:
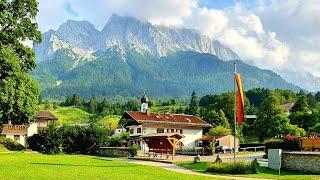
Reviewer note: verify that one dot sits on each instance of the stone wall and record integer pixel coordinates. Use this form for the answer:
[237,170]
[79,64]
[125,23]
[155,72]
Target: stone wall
[301,161]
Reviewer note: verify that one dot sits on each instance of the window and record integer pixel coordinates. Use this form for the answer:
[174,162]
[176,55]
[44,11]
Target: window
[160,130]
[131,131]
[168,130]
[16,137]
[181,131]
[139,130]
[172,130]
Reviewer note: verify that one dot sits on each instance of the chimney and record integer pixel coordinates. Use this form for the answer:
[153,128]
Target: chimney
[148,112]
[9,122]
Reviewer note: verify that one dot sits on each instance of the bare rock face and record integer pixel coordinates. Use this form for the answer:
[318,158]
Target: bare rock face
[127,33]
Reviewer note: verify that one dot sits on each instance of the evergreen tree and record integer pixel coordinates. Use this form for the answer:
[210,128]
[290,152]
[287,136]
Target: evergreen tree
[312,101]
[47,105]
[301,93]
[223,120]
[317,96]
[18,92]
[194,104]
[55,105]
[301,104]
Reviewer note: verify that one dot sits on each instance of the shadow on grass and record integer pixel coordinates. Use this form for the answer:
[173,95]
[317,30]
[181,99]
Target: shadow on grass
[82,165]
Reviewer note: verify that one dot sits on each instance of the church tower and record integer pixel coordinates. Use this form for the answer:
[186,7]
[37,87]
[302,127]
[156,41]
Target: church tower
[144,103]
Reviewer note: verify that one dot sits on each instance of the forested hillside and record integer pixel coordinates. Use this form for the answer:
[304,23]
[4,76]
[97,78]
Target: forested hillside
[113,73]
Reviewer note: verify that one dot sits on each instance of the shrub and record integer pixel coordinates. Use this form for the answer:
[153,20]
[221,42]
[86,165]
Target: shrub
[70,139]
[133,150]
[240,167]
[288,143]
[47,141]
[11,144]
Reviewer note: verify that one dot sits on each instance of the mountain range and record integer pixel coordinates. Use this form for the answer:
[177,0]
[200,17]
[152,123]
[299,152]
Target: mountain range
[129,55]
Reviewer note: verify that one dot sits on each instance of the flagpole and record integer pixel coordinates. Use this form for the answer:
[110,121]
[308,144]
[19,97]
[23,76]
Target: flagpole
[234,113]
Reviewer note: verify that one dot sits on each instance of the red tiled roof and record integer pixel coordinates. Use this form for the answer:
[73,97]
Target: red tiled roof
[177,119]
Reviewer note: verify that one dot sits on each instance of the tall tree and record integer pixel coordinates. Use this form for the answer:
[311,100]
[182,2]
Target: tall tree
[194,104]
[300,105]
[271,119]
[317,96]
[18,92]
[312,101]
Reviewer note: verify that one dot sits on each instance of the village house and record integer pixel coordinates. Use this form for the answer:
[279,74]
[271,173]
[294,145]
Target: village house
[21,132]
[146,122]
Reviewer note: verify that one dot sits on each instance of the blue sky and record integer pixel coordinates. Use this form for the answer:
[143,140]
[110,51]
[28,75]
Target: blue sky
[271,34]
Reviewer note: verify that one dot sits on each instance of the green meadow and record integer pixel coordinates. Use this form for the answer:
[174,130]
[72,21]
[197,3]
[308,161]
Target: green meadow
[264,172]
[38,166]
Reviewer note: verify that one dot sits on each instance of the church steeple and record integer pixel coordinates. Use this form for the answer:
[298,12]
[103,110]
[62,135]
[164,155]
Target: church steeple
[144,102]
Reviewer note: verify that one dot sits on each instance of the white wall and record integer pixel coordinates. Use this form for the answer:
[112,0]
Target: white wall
[32,129]
[189,141]
[22,140]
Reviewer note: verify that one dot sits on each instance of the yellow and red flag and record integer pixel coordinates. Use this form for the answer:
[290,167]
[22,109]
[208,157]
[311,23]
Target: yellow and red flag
[240,99]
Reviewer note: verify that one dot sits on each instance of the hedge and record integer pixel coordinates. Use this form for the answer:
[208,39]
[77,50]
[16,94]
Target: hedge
[240,167]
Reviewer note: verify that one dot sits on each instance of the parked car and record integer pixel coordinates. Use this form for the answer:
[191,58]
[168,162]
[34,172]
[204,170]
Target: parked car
[223,149]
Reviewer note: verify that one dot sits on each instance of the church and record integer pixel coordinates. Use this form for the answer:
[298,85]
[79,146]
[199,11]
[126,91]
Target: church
[146,122]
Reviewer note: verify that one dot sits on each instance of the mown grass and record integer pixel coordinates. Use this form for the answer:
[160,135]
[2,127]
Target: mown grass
[72,115]
[264,172]
[110,120]
[38,166]
[3,149]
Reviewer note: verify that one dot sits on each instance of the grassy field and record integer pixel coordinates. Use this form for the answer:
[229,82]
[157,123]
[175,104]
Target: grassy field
[109,120]
[71,115]
[38,166]
[2,148]
[264,172]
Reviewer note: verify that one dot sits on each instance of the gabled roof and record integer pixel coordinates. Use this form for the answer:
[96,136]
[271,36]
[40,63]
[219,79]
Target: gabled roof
[45,115]
[170,119]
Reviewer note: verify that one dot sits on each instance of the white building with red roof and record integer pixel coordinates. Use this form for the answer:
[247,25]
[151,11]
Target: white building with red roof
[147,122]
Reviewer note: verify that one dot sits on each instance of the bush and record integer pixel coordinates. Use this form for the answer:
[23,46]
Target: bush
[47,141]
[114,152]
[133,150]
[289,144]
[11,144]
[240,167]
[70,139]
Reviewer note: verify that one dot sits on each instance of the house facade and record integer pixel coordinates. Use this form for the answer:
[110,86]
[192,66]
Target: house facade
[21,132]
[147,122]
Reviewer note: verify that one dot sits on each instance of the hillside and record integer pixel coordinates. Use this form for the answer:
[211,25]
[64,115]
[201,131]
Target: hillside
[175,75]
[72,115]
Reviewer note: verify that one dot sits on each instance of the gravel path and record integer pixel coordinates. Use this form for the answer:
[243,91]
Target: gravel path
[173,167]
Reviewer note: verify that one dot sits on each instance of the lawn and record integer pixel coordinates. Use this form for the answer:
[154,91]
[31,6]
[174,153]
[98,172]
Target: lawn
[72,115]
[264,172]
[38,166]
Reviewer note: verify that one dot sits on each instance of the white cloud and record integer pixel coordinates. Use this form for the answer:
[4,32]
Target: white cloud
[270,34]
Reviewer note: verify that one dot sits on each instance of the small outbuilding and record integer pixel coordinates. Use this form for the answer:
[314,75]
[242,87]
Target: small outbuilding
[43,118]
[220,140]
[162,143]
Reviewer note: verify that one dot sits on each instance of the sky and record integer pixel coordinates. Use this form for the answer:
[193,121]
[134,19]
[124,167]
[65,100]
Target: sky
[270,34]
